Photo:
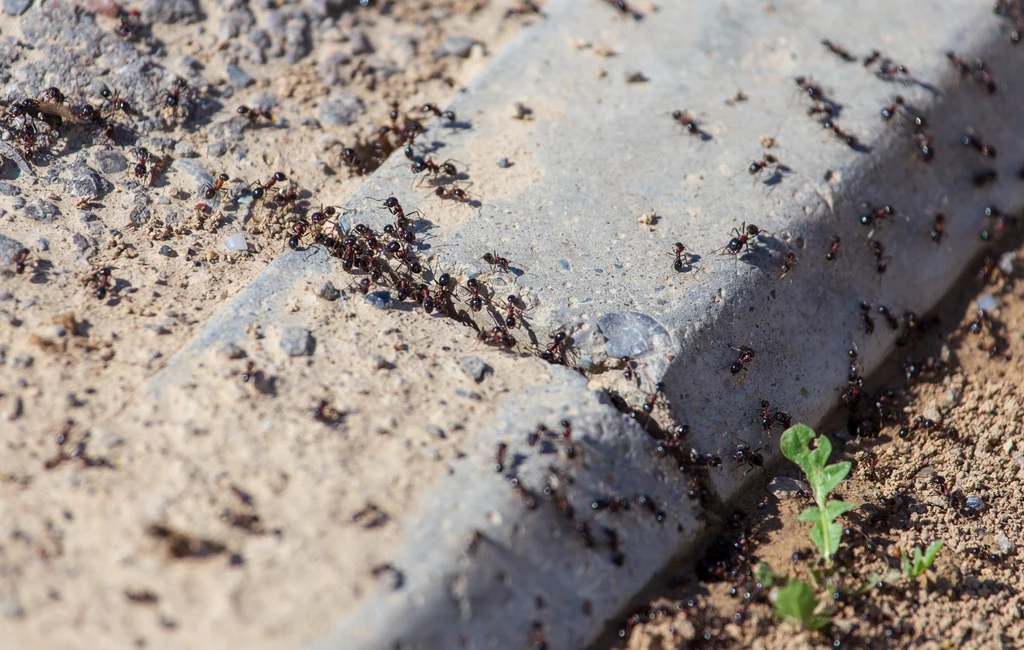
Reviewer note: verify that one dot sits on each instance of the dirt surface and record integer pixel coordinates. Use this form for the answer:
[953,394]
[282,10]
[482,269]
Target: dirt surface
[225,505]
[958,416]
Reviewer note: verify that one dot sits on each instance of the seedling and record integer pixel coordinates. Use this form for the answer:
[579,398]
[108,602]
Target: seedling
[921,563]
[797,602]
[825,533]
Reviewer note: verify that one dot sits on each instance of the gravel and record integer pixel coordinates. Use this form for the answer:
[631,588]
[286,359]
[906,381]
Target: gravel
[379,299]
[171,11]
[110,162]
[16,7]
[8,249]
[458,45]
[296,341]
[475,367]
[327,291]
[7,189]
[41,211]
[239,78]
[342,109]
[86,183]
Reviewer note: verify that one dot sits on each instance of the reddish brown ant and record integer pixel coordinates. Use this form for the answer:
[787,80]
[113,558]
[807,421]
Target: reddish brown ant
[420,165]
[115,102]
[984,177]
[261,188]
[983,148]
[812,89]
[524,8]
[938,228]
[683,260]
[833,247]
[254,114]
[498,336]
[513,313]
[556,350]
[888,112]
[878,250]
[20,260]
[628,366]
[889,318]
[866,320]
[690,124]
[839,51]
[850,139]
[746,356]
[741,241]
[499,457]
[787,263]
[432,108]
[496,261]
[101,278]
[871,58]
[454,192]
[476,302]
[924,146]
[758,165]
[210,192]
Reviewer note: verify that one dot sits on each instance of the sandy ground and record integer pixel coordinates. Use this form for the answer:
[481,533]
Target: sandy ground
[971,414]
[226,506]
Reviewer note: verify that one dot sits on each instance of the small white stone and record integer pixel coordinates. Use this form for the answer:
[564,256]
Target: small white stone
[236,243]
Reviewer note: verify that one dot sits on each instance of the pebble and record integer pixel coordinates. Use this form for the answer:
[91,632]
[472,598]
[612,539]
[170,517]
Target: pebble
[376,362]
[630,334]
[195,170]
[435,431]
[296,341]
[260,38]
[236,243]
[7,189]
[327,291]
[458,45]
[235,23]
[84,245]
[171,11]
[987,302]
[239,78]
[22,361]
[16,7]
[216,149]
[182,150]
[8,249]
[475,367]
[783,486]
[331,68]
[360,42]
[1003,544]
[379,299]
[504,163]
[42,244]
[110,162]
[232,351]
[297,41]
[1006,262]
[10,608]
[342,110]
[86,183]
[974,503]
[167,251]
[41,211]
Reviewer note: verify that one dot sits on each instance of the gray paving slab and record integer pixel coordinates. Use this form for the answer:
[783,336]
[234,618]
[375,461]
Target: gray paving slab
[596,154]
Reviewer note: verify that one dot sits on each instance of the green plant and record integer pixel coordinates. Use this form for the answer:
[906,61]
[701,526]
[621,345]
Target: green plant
[797,602]
[921,563]
[823,478]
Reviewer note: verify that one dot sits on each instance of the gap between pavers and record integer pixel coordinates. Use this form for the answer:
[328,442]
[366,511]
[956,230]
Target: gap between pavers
[597,153]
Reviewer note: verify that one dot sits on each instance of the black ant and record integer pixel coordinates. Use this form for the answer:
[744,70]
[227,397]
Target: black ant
[454,192]
[839,51]
[496,261]
[115,102]
[833,247]
[769,417]
[498,336]
[683,259]
[938,228]
[254,114]
[499,457]
[744,456]
[812,89]
[758,165]
[741,240]
[648,406]
[210,192]
[877,214]
[691,126]
[20,260]
[476,302]
[867,321]
[420,165]
[143,157]
[432,108]
[984,177]
[850,139]
[924,146]
[879,252]
[888,112]
[102,279]
[746,356]
[559,341]
[628,366]
[983,148]
[261,188]
[173,99]
[871,58]
[511,321]
[787,263]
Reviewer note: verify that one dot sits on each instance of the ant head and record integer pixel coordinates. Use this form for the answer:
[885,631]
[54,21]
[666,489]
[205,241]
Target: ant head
[279,176]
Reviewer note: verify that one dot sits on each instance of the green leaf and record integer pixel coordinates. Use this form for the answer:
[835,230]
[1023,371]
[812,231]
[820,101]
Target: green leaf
[833,475]
[764,574]
[794,446]
[932,553]
[796,602]
[920,563]
[812,515]
[834,509]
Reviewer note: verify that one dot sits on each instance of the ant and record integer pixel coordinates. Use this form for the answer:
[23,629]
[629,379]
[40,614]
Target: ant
[746,356]
[432,108]
[888,112]
[210,192]
[524,8]
[868,322]
[879,252]
[812,89]
[498,335]
[496,261]
[116,103]
[684,118]
[854,382]
[628,366]
[877,214]
[683,259]
[938,228]
[742,240]
[787,263]
[769,417]
[744,456]
[559,342]
[839,51]
[499,457]
[142,158]
[102,279]
[476,303]
[455,192]
[889,318]
[625,9]
[511,321]
[261,188]
[254,114]
[833,247]
[983,148]
[326,414]
[850,139]
[648,406]
[420,165]
[20,259]
[758,165]
[172,101]
[924,146]
[871,58]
